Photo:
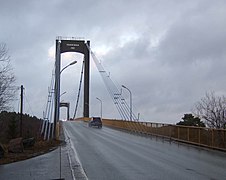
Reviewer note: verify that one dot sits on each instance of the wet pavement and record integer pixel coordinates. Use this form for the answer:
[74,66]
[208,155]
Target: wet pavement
[96,154]
[111,154]
[46,166]
[60,163]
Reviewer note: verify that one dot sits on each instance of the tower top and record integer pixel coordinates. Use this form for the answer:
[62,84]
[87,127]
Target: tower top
[69,38]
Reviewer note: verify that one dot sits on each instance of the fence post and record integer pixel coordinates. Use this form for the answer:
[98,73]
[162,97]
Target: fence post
[164,130]
[178,132]
[188,132]
[224,138]
[212,138]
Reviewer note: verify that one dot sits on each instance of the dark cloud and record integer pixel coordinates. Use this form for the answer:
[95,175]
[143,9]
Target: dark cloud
[197,36]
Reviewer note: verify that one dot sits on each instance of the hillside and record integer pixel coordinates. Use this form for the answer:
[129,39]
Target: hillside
[10,126]
[10,129]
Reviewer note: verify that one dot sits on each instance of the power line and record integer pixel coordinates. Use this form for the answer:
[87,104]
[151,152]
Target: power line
[29,106]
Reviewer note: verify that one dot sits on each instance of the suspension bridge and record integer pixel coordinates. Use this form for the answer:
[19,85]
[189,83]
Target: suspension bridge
[112,154]
[51,113]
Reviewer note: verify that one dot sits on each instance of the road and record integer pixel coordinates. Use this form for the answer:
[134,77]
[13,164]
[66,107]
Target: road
[111,154]
[46,166]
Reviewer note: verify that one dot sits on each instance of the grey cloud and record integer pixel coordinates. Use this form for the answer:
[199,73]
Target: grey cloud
[188,62]
[166,78]
[197,36]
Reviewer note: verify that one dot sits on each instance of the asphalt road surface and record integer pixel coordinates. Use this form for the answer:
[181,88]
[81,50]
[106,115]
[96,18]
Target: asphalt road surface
[111,154]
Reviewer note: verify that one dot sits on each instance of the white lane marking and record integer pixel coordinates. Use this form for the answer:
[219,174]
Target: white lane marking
[72,171]
[77,161]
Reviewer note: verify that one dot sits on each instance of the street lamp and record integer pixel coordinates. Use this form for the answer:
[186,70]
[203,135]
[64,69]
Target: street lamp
[57,90]
[131,111]
[63,93]
[100,106]
[72,63]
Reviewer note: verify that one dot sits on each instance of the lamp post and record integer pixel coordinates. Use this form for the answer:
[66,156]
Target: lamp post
[131,111]
[72,63]
[57,88]
[100,106]
[63,93]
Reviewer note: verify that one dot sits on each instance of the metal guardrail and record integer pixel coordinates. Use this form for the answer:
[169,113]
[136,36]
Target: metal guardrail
[207,137]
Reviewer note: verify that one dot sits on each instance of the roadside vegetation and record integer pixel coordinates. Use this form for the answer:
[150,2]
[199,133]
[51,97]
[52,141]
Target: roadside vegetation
[212,109]
[190,120]
[10,128]
[7,79]
[9,125]
[210,112]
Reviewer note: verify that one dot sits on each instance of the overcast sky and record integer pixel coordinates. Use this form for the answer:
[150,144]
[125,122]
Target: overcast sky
[168,53]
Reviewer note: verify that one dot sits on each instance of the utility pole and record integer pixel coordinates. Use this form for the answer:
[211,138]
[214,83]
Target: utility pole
[21,109]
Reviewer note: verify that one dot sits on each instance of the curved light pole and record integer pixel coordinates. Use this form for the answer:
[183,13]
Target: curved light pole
[57,89]
[63,93]
[100,106]
[131,111]
[72,63]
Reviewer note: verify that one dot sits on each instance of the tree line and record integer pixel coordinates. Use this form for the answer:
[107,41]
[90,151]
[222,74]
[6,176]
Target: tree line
[10,126]
[211,109]
[7,79]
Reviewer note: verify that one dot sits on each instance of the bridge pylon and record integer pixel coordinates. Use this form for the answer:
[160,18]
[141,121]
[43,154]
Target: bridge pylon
[64,45]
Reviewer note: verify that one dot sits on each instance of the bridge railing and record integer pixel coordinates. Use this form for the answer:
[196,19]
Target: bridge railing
[207,137]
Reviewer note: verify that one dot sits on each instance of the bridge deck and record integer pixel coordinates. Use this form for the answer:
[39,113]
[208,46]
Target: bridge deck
[110,154]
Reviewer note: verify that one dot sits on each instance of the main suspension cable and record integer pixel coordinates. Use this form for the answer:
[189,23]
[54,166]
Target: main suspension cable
[116,95]
[79,91]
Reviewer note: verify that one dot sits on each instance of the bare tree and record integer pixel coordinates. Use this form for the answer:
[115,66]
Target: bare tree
[212,109]
[7,79]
